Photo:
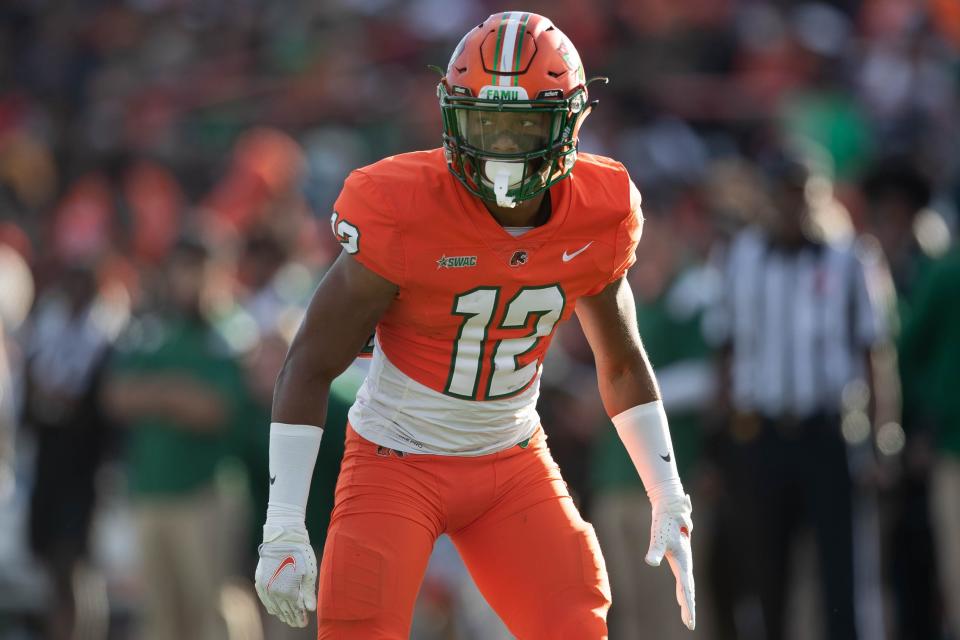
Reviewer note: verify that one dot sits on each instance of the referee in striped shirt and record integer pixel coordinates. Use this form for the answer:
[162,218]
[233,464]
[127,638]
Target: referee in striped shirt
[798,322]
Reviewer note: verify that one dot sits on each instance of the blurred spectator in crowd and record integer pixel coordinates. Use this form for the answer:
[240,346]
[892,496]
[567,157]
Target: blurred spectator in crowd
[930,352]
[799,322]
[263,257]
[671,290]
[262,198]
[181,392]
[911,235]
[897,196]
[820,108]
[125,202]
[68,345]
[15,303]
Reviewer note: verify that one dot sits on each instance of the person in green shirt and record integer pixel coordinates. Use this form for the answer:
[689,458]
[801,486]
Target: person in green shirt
[930,365]
[898,194]
[180,391]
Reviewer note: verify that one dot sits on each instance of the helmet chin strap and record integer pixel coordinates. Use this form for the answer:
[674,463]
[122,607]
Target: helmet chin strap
[504,175]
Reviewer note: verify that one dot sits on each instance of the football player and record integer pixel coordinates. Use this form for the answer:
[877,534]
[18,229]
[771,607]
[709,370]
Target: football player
[464,259]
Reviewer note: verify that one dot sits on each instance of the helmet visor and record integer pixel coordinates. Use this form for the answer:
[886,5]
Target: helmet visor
[508,131]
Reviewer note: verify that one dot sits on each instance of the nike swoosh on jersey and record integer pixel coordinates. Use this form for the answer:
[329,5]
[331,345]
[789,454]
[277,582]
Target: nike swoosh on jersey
[567,257]
[288,561]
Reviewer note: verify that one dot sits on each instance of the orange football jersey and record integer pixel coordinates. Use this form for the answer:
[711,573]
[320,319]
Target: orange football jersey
[477,307]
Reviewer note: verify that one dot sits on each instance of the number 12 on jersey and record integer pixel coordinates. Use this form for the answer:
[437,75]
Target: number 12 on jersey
[507,377]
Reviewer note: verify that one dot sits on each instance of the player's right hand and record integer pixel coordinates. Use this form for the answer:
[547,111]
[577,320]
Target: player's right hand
[286,577]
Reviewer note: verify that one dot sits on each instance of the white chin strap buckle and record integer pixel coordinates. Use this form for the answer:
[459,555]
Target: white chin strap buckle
[504,175]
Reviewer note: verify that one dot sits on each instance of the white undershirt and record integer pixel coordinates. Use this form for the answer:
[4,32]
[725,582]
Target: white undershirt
[396,411]
[516,232]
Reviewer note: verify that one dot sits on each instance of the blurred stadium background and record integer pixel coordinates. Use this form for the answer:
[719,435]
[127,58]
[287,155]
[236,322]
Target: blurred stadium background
[126,125]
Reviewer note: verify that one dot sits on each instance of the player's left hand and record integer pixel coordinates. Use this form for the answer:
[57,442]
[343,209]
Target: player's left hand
[670,536]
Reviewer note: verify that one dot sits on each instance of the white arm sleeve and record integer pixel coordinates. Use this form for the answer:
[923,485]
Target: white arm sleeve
[293,454]
[644,432]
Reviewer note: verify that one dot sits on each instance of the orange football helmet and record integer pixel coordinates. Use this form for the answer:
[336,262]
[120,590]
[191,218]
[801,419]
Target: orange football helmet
[513,99]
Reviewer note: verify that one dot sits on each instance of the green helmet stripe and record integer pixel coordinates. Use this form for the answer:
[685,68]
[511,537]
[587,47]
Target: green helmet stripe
[519,47]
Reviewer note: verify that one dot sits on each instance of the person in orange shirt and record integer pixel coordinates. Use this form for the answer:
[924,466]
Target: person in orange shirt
[464,259]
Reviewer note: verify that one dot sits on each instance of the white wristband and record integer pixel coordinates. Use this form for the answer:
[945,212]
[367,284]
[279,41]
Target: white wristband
[644,432]
[293,454]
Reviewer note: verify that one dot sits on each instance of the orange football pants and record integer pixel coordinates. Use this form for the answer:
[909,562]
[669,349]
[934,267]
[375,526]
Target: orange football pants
[536,561]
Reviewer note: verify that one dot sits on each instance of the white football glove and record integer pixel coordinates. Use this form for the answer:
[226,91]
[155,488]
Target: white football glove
[286,577]
[670,536]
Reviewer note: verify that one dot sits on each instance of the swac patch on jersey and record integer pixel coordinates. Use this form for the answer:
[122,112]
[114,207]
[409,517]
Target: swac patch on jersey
[456,262]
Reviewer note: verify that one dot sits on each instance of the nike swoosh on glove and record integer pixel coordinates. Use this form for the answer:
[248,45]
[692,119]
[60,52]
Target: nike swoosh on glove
[670,536]
[286,577]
